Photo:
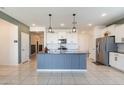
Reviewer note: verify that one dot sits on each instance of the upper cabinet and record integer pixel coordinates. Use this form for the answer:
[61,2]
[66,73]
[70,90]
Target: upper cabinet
[119,34]
[114,30]
[62,35]
[111,30]
[72,38]
[52,38]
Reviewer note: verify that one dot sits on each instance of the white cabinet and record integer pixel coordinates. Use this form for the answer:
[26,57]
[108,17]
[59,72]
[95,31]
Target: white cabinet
[121,62]
[116,60]
[52,37]
[103,32]
[72,38]
[62,35]
[113,59]
[119,34]
[111,30]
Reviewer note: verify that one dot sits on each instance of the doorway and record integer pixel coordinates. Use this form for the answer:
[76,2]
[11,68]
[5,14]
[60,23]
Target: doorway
[37,42]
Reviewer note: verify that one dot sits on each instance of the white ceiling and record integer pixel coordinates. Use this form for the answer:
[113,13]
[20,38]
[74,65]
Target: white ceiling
[85,15]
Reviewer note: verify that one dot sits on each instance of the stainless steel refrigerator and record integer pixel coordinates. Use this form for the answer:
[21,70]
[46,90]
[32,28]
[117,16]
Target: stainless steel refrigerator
[103,47]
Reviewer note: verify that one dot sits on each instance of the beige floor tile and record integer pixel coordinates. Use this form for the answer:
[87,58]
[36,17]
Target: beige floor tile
[26,74]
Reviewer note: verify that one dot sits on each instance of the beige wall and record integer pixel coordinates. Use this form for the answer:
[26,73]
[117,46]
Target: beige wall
[8,49]
[84,38]
[37,37]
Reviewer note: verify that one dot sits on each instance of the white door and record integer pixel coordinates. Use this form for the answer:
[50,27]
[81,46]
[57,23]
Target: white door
[24,47]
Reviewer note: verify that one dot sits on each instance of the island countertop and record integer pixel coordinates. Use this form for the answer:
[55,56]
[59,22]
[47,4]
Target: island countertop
[79,52]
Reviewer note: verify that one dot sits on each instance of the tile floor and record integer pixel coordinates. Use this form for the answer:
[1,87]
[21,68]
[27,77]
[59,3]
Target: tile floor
[26,74]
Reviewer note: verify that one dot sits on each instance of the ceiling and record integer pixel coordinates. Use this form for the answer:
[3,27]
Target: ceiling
[84,15]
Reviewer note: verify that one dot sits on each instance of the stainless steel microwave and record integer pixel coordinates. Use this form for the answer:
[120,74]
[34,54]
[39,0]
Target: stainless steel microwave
[62,41]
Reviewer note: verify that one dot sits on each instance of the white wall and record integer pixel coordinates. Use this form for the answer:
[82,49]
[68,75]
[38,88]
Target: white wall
[37,29]
[52,39]
[84,38]
[79,41]
[8,49]
[36,37]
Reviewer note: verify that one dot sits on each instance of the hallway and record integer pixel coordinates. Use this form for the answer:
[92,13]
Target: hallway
[26,74]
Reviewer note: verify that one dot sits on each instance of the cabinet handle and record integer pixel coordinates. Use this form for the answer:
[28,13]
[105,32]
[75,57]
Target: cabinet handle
[116,58]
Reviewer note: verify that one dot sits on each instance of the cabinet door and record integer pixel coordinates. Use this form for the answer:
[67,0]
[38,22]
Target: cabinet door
[111,30]
[67,64]
[119,37]
[72,38]
[121,62]
[62,35]
[83,62]
[75,61]
[113,59]
[103,31]
[58,61]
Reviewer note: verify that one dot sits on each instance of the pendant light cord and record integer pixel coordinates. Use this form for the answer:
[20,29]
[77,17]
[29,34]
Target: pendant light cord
[74,20]
[50,19]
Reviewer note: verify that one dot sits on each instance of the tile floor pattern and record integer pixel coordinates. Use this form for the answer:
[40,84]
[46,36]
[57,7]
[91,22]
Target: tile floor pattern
[26,74]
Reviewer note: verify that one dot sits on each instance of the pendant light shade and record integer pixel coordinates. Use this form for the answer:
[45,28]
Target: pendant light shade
[74,28]
[50,27]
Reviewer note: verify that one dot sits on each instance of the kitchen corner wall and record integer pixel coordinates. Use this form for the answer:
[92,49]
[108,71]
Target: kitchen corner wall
[21,28]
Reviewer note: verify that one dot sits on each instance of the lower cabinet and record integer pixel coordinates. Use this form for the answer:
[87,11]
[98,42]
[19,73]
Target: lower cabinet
[75,62]
[116,60]
[61,61]
[121,62]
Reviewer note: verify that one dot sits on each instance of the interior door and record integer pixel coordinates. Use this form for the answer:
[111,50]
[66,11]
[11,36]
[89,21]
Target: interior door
[24,47]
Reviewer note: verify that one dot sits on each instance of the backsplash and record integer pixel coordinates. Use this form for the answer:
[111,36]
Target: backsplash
[120,47]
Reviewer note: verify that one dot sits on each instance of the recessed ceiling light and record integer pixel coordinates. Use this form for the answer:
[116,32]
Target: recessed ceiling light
[104,14]
[62,25]
[33,24]
[89,24]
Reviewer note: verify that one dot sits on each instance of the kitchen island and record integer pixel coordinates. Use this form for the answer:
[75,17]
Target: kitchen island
[61,61]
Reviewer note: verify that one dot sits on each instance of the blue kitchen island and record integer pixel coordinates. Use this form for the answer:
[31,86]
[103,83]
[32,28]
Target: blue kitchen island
[61,61]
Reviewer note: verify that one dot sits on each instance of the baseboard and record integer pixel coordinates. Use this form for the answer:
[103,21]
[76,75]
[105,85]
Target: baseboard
[26,61]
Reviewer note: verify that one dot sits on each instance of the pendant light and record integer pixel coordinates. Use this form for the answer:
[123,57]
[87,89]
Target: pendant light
[74,28]
[50,27]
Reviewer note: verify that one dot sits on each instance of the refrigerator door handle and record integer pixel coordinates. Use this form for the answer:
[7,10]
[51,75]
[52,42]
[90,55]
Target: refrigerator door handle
[98,47]
[105,45]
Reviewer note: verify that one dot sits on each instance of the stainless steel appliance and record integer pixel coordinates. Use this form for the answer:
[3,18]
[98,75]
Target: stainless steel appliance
[103,47]
[62,41]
